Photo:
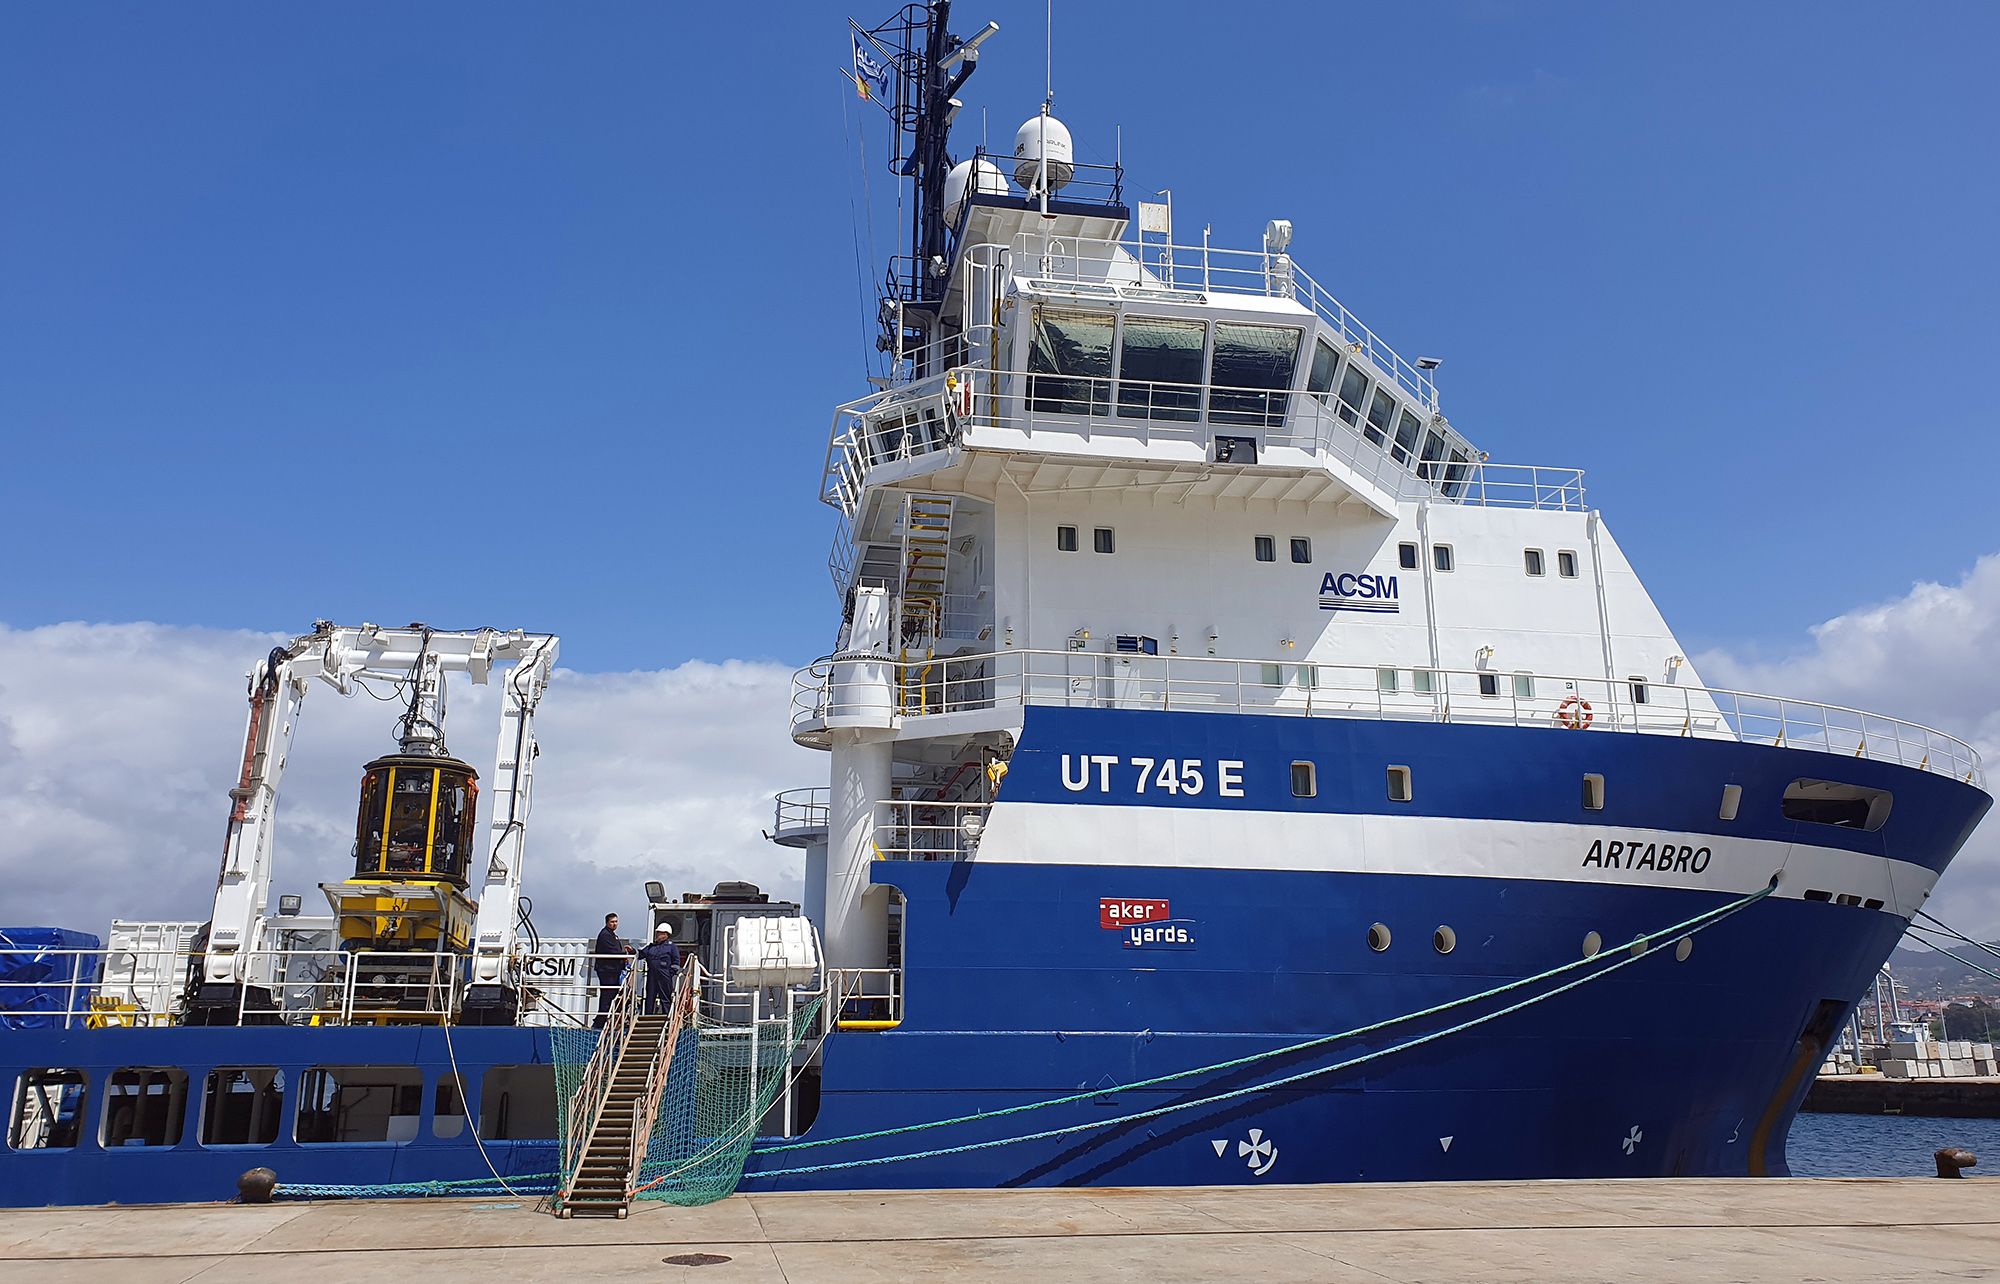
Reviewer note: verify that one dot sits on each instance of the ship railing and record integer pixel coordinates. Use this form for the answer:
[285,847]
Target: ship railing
[306,987]
[1140,678]
[864,998]
[1206,270]
[801,810]
[908,829]
[1195,423]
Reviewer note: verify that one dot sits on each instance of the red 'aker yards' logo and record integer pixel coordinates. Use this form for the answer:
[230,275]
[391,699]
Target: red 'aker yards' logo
[1118,912]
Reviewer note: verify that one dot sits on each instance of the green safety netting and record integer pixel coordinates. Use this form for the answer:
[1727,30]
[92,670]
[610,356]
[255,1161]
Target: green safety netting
[724,1079]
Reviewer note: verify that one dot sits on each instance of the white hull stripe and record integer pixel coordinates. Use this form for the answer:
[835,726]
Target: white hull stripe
[1082,834]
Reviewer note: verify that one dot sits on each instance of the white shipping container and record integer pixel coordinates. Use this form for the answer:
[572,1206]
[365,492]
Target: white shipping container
[559,983]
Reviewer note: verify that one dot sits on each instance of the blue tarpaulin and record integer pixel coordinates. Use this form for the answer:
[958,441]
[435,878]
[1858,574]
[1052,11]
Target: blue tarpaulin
[39,982]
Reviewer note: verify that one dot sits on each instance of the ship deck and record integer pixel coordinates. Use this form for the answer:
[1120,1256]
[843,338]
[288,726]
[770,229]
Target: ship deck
[1684,1230]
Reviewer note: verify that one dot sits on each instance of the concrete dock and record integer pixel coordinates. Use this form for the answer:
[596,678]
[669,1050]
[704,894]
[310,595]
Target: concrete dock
[1688,1231]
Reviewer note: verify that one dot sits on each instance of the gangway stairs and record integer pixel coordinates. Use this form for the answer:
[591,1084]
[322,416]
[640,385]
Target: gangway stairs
[926,560]
[621,1092]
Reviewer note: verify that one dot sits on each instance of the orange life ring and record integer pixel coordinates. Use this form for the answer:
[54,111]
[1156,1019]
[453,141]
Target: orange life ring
[1574,712]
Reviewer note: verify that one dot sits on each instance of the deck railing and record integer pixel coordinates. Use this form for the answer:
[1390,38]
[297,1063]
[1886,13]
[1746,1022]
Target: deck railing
[1014,679]
[306,987]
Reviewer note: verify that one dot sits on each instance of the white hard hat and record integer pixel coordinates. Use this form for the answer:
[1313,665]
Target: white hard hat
[668,928]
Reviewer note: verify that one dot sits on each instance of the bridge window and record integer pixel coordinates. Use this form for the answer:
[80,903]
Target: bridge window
[1354,396]
[1399,784]
[1066,539]
[1302,550]
[1533,559]
[1104,540]
[1159,369]
[144,1106]
[1407,429]
[1829,802]
[1433,453]
[1406,556]
[1382,410]
[1319,380]
[1457,472]
[359,1103]
[48,1110]
[1441,556]
[1305,780]
[1069,363]
[1267,548]
[1249,373]
[1566,563]
[241,1104]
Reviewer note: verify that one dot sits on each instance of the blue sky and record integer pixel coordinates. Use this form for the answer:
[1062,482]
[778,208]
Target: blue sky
[534,315]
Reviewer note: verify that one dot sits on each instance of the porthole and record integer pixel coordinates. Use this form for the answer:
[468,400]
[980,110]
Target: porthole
[1444,940]
[1378,937]
[1683,948]
[1592,943]
[1399,784]
[1638,946]
[1732,798]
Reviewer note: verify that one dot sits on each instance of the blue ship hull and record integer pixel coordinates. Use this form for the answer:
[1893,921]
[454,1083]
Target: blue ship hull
[1016,991]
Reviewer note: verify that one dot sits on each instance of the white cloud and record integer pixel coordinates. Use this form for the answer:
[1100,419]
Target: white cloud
[118,744]
[1926,657]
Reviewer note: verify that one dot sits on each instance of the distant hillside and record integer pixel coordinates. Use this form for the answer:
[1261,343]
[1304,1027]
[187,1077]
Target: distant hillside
[1923,971]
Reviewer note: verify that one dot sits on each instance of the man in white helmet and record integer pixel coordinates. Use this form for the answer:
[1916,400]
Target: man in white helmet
[662,961]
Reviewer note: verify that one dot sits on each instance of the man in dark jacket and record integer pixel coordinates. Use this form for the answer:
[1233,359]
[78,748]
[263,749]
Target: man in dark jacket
[662,960]
[609,961]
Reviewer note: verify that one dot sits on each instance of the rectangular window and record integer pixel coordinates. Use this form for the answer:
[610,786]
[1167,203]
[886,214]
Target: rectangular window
[1489,684]
[1069,362]
[1593,791]
[1305,780]
[143,1106]
[1399,784]
[1249,373]
[1353,397]
[1441,556]
[1319,381]
[1302,551]
[241,1104]
[48,1110]
[1267,548]
[1421,681]
[1159,371]
[1829,802]
[1066,539]
[359,1103]
[1638,689]
[1732,798]
[518,1103]
[1273,675]
[1533,559]
[1385,681]
[1457,473]
[1433,454]
[1524,686]
[1566,563]
[1381,410]
[1102,540]
[1308,676]
[1407,429]
[1406,556]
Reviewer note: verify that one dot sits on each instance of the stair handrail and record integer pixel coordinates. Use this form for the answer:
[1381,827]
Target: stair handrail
[663,1060]
[595,1086]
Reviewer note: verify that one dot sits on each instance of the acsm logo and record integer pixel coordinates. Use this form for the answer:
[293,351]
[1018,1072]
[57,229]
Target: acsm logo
[1350,592]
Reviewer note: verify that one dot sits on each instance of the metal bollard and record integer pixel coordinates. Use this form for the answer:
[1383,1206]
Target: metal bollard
[1952,1162]
[255,1186]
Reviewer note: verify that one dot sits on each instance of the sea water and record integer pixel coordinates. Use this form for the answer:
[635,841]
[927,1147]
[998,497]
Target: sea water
[1886,1145]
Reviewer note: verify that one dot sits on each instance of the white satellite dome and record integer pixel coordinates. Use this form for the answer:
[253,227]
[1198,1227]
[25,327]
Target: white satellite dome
[990,182]
[1028,141]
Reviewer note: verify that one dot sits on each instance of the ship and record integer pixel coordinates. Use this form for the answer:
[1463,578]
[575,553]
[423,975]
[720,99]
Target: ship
[1234,775]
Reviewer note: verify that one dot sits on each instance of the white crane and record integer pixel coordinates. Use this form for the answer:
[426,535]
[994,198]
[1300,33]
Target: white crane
[236,973]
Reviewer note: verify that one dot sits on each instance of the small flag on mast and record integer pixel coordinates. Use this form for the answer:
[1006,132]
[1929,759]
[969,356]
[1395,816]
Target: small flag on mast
[871,78]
